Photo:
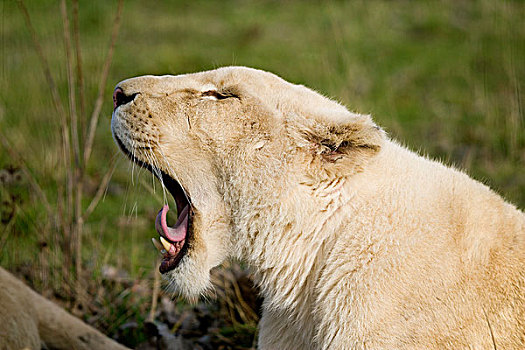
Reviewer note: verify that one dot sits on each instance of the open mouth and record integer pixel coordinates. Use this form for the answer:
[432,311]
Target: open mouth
[174,241]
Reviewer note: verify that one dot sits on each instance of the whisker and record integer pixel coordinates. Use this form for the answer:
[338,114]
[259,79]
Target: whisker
[133,167]
[150,155]
[158,173]
[150,161]
[174,175]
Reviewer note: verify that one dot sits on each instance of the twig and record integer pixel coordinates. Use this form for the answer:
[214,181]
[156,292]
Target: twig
[78,230]
[105,72]
[179,322]
[65,239]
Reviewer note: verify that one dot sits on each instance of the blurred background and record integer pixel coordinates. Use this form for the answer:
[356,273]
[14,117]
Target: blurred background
[446,78]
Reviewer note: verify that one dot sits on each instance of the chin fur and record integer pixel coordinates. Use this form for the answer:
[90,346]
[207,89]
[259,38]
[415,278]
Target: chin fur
[190,279]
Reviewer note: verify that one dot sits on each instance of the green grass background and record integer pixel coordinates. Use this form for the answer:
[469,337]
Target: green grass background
[446,78]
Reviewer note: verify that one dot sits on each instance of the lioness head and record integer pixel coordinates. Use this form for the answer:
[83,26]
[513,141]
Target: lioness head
[231,146]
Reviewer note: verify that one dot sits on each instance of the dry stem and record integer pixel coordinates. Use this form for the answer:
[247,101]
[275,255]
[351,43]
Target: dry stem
[156,290]
[80,74]
[69,213]
[105,72]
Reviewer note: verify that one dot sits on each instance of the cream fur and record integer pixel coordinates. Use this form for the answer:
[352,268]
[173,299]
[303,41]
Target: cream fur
[356,242]
[28,321]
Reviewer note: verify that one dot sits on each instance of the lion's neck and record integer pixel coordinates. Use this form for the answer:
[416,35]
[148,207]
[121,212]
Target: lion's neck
[285,238]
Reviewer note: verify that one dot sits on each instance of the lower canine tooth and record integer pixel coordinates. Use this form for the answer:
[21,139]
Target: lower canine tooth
[157,245]
[167,245]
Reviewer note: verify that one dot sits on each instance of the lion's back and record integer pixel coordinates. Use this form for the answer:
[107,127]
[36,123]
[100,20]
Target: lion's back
[427,256]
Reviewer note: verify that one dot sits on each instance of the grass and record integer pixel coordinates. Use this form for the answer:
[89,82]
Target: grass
[444,77]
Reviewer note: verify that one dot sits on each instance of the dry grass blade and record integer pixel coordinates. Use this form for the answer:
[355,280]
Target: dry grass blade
[70,83]
[75,177]
[227,286]
[155,293]
[78,53]
[27,173]
[5,234]
[100,191]
[56,101]
[43,61]
[102,84]
[247,313]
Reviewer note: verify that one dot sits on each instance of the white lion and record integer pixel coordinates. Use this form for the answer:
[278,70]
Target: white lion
[355,242]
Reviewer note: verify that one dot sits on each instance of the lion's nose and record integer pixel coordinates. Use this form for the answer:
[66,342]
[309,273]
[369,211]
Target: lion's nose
[120,98]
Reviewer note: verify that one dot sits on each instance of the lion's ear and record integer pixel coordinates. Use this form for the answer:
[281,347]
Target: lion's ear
[337,140]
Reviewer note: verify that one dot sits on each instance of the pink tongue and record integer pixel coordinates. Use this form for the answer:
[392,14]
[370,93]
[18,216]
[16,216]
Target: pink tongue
[176,233]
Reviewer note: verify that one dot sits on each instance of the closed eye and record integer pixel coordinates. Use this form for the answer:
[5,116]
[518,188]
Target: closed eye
[214,94]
